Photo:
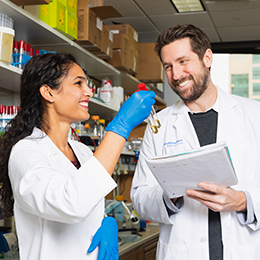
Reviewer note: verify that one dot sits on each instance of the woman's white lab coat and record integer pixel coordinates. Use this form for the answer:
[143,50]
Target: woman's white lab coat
[184,235]
[57,208]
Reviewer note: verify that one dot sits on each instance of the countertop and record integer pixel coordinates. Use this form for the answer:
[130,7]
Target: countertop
[152,231]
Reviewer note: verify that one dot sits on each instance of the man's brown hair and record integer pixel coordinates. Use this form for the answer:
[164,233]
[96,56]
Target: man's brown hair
[199,41]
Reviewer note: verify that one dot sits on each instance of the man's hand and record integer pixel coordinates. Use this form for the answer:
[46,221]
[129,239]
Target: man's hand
[219,199]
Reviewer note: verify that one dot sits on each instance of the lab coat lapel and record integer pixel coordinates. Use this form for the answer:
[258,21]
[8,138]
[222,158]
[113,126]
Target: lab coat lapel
[226,119]
[79,153]
[184,125]
[53,152]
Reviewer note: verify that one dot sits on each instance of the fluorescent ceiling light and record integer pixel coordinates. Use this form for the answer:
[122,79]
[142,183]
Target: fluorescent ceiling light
[188,5]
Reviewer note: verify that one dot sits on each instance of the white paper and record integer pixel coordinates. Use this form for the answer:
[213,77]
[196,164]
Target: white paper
[179,172]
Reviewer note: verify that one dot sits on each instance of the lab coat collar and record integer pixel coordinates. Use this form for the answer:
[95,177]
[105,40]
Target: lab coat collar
[227,102]
[54,153]
[183,124]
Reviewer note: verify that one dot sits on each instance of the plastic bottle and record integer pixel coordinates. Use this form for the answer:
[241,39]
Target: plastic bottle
[79,129]
[106,91]
[87,130]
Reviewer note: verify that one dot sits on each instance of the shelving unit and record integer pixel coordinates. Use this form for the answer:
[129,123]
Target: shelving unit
[41,36]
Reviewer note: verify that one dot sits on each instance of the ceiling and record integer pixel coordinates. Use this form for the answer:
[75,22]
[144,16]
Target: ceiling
[232,26]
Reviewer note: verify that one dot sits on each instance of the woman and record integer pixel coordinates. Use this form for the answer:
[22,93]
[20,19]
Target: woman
[58,185]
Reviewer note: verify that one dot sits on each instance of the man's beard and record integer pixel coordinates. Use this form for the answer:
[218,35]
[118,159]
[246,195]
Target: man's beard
[198,88]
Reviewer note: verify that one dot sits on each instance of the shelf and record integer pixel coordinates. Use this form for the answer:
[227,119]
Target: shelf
[41,36]
[10,77]
[104,110]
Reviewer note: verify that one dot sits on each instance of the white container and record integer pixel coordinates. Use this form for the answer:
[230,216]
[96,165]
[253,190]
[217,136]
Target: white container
[6,44]
[106,91]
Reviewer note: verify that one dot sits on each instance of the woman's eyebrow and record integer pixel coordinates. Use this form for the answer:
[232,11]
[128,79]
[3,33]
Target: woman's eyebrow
[79,77]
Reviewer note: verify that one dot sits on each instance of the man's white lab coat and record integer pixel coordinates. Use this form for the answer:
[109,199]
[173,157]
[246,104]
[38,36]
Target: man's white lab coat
[184,235]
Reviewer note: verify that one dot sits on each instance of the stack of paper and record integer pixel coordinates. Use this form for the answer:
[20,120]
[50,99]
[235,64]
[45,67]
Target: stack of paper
[177,173]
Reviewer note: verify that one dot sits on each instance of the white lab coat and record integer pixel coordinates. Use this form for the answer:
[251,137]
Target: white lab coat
[57,208]
[184,235]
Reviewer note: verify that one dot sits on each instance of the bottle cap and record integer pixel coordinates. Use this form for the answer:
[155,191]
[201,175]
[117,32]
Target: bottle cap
[102,121]
[15,44]
[120,197]
[95,117]
[87,126]
[10,110]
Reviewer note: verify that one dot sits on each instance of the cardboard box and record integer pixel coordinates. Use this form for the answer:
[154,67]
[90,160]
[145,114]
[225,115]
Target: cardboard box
[90,24]
[106,51]
[121,57]
[93,3]
[125,29]
[30,2]
[150,66]
[133,58]
[89,28]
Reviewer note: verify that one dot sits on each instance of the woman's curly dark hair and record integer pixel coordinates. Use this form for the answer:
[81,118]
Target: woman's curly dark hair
[47,69]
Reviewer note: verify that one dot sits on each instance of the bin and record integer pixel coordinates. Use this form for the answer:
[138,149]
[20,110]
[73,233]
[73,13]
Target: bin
[6,44]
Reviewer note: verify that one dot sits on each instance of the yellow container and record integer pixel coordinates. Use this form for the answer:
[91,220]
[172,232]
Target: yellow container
[71,27]
[44,15]
[57,16]
[54,15]
[72,6]
[6,44]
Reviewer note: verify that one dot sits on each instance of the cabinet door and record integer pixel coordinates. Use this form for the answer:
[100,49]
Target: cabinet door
[134,255]
[150,255]
[150,250]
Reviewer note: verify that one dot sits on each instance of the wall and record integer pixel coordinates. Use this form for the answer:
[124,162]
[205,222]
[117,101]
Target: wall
[220,71]
[219,74]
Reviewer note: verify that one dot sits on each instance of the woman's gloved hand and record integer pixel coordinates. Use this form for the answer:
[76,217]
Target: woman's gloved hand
[107,239]
[132,113]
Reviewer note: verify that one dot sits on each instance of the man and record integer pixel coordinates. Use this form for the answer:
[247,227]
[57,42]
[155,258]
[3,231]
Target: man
[222,223]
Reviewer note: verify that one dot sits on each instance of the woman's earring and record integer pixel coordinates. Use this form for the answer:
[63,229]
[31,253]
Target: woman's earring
[51,100]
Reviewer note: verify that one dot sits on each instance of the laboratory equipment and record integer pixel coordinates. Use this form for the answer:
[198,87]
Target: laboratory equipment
[153,120]
[131,221]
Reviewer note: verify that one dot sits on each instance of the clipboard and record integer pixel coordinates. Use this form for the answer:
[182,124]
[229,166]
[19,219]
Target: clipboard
[178,172]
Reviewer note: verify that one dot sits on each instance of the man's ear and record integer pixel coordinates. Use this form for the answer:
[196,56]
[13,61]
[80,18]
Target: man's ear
[208,58]
[46,93]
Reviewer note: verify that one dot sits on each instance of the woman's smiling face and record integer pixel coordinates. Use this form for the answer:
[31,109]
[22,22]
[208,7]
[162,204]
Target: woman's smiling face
[72,98]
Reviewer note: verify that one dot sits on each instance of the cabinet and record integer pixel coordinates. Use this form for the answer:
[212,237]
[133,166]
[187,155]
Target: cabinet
[42,36]
[146,251]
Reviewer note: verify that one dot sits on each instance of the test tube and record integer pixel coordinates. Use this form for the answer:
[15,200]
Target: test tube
[153,119]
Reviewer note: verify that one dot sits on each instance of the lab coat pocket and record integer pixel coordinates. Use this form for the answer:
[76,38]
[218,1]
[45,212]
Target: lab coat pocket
[171,252]
[243,156]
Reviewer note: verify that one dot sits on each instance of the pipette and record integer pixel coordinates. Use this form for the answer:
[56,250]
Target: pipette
[153,118]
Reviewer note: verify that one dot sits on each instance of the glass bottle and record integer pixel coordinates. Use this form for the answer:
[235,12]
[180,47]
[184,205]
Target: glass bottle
[95,129]
[101,132]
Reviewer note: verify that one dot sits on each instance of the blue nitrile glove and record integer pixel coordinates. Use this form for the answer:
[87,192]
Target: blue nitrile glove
[107,239]
[132,113]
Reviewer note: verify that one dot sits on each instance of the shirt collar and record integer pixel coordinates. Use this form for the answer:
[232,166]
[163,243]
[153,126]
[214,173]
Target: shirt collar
[215,106]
